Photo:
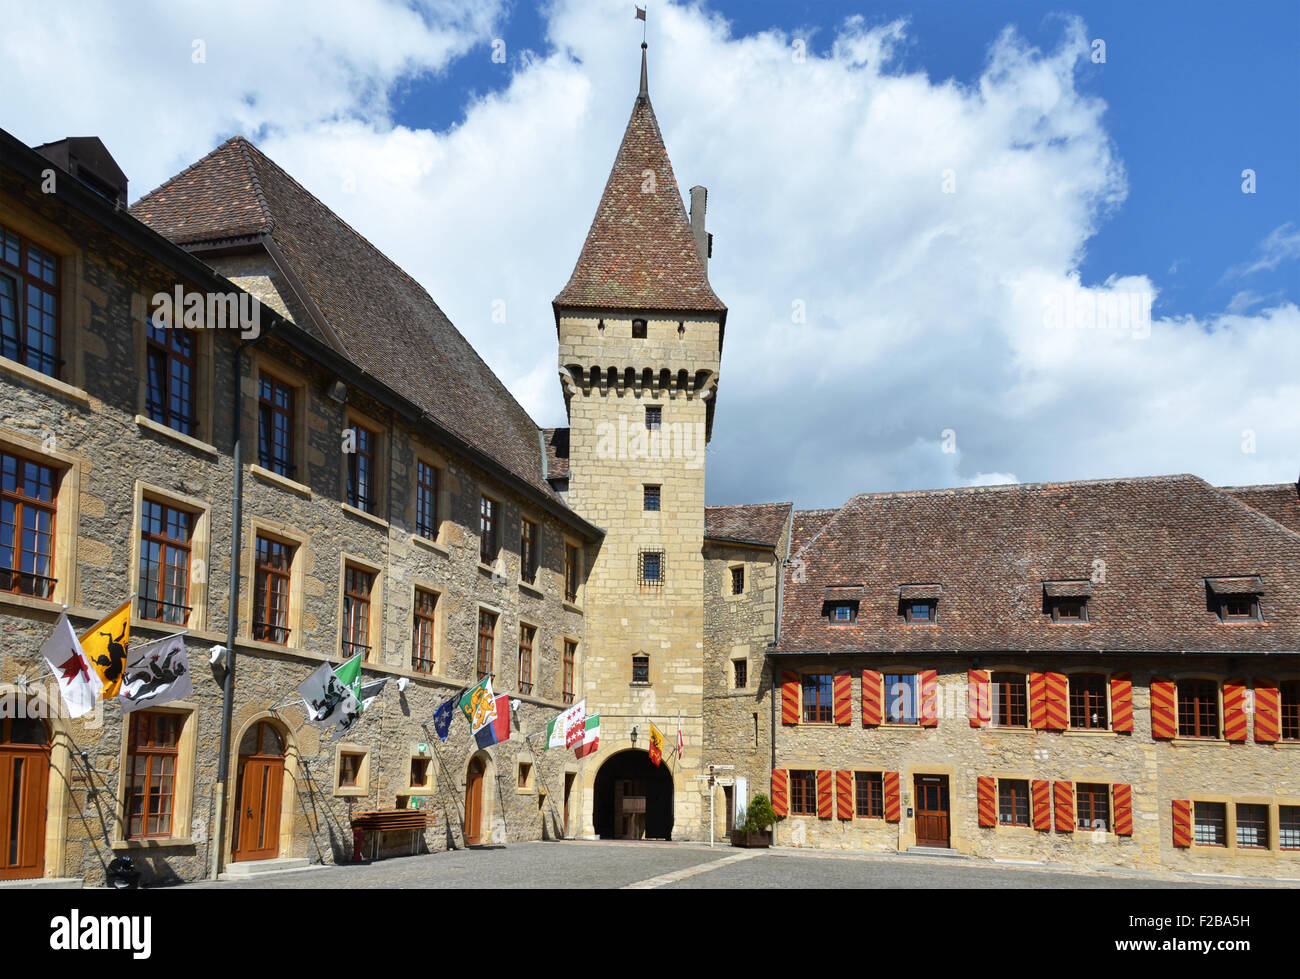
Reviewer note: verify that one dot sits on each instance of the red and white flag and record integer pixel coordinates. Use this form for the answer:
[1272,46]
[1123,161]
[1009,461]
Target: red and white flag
[77,682]
[680,743]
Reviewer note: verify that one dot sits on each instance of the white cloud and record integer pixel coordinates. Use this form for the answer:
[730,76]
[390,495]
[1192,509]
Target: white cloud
[1280,245]
[926,310]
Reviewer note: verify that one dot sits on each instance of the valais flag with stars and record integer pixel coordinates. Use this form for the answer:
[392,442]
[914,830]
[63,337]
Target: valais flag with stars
[77,683]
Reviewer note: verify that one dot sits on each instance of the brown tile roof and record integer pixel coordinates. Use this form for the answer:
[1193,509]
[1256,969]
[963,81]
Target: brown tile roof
[1280,502]
[753,523]
[383,319]
[639,252]
[993,548]
[556,442]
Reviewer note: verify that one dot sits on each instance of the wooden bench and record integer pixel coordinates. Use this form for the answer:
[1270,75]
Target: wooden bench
[379,821]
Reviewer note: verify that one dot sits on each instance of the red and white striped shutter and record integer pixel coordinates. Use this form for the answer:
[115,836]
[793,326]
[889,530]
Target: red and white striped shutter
[1040,794]
[1057,701]
[1268,701]
[977,690]
[1123,804]
[789,697]
[1164,720]
[1182,822]
[1063,803]
[844,794]
[843,698]
[1234,710]
[893,807]
[873,711]
[1121,702]
[781,791]
[825,794]
[1037,701]
[929,698]
[986,797]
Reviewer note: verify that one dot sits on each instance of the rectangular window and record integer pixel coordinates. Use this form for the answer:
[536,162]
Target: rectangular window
[164,562]
[1239,608]
[1289,695]
[487,624]
[151,774]
[426,500]
[528,551]
[803,793]
[361,469]
[29,304]
[524,775]
[1013,802]
[818,705]
[271,596]
[1252,826]
[487,530]
[357,586]
[652,568]
[1069,610]
[741,668]
[651,498]
[1010,700]
[1088,702]
[638,329]
[737,581]
[170,372]
[349,769]
[869,795]
[422,633]
[526,634]
[420,773]
[902,696]
[654,417]
[570,573]
[1198,709]
[919,613]
[275,415]
[640,669]
[843,613]
[1092,806]
[567,672]
[27,511]
[1288,827]
[1211,820]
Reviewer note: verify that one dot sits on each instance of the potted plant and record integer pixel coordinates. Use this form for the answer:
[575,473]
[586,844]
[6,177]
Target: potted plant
[756,830]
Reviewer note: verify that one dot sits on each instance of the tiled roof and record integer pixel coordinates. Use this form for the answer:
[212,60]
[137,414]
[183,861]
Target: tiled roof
[640,252]
[382,318]
[556,442]
[754,523]
[1281,501]
[1146,545]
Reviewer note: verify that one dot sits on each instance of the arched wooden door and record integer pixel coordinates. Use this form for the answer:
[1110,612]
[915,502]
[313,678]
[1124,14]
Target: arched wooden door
[24,780]
[474,802]
[257,803]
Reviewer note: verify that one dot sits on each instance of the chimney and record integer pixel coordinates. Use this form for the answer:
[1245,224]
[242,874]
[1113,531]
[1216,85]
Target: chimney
[703,240]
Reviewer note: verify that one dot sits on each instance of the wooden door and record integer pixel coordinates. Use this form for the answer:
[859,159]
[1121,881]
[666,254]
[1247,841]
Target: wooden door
[260,793]
[931,810]
[568,793]
[474,803]
[24,780]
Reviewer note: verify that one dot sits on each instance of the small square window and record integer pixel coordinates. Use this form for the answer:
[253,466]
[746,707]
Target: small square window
[842,613]
[350,769]
[638,330]
[1069,610]
[419,773]
[737,581]
[1239,608]
[652,568]
[920,612]
[654,417]
[651,497]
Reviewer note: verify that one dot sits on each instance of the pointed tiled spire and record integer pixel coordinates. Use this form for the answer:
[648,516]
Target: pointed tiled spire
[640,252]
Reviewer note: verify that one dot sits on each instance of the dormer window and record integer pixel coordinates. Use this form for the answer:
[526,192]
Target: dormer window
[1236,599]
[919,613]
[1067,601]
[842,613]
[840,604]
[1070,610]
[919,604]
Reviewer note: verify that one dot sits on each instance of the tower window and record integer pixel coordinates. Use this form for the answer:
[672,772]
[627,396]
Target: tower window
[652,497]
[654,417]
[640,669]
[652,567]
[737,581]
[638,329]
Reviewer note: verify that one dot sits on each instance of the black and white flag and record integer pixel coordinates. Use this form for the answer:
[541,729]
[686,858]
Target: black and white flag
[156,673]
[330,701]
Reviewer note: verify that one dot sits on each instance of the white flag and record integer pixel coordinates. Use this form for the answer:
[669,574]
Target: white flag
[329,700]
[77,682]
[370,692]
[156,673]
[557,731]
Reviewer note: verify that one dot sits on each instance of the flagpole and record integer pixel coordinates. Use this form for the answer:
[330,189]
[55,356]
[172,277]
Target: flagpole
[170,635]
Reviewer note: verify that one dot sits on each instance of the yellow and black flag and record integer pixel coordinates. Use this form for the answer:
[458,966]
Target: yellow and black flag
[656,744]
[105,645]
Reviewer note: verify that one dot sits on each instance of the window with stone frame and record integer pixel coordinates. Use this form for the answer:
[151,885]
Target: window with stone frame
[818,698]
[740,673]
[869,795]
[1210,823]
[902,698]
[1092,806]
[276,419]
[361,488]
[571,572]
[274,560]
[1088,705]
[422,630]
[489,517]
[358,583]
[1288,827]
[29,304]
[152,751]
[1289,709]
[527,634]
[651,565]
[349,771]
[1010,707]
[568,671]
[171,358]
[427,480]
[641,669]
[803,793]
[165,533]
[738,581]
[1252,826]
[528,537]
[650,497]
[487,626]
[28,508]
[1198,708]
[1013,802]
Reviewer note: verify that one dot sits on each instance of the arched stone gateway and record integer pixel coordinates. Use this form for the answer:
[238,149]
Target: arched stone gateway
[633,798]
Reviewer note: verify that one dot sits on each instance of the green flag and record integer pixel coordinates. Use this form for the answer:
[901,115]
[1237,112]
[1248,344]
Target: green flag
[349,675]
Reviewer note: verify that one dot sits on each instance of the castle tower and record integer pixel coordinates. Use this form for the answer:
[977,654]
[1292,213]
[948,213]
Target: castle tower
[640,340]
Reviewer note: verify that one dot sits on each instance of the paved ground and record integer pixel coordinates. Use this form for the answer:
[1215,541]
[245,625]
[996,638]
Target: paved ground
[573,864]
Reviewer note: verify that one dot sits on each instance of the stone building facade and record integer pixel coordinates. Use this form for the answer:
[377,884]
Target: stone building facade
[1102,673]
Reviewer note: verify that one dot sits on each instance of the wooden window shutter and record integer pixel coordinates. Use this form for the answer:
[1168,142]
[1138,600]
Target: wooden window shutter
[893,808]
[929,698]
[1041,797]
[873,697]
[825,794]
[781,791]
[843,698]
[1267,702]
[1123,803]
[1182,822]
[1163,719]
[977,688]
[986,792]
[789,697]
[1063,803]
[1234,710]
[1038,701]
[844,794]
[1057,697]
[1121,702]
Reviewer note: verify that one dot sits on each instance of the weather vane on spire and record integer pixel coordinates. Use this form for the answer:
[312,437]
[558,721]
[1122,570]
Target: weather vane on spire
[640,15]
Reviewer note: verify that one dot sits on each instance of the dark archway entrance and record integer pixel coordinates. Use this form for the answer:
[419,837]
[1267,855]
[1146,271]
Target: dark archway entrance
[633,798]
